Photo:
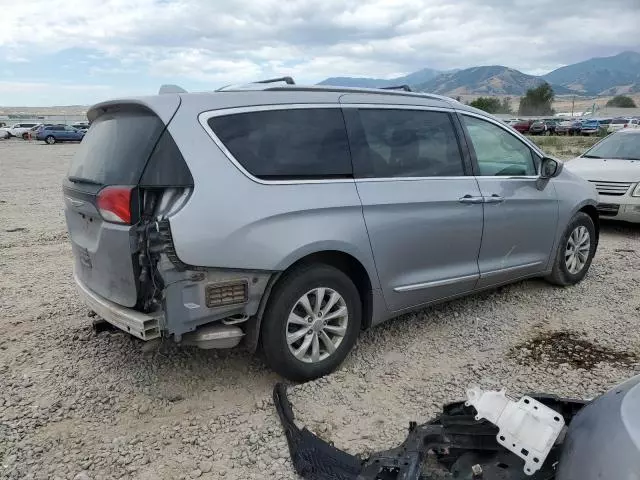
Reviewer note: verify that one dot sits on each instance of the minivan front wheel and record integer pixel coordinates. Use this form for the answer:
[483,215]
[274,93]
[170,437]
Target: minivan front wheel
[575,251]
[50,140]
[311,322]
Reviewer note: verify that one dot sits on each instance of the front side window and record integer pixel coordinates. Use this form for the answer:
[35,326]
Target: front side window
[406,143]
[305,143]
[498,152]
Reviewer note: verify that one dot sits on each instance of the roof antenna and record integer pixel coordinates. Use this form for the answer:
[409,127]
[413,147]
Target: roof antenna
[171,89]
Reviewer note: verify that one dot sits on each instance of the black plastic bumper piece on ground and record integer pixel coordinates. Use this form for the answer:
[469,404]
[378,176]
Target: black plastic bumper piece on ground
[459,443]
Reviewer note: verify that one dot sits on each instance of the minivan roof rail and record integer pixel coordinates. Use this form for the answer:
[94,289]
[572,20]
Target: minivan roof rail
[257,85]
[375,91]
[287,80]
[405,87]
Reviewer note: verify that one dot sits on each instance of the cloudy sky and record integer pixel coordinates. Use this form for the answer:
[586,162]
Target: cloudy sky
[56,52]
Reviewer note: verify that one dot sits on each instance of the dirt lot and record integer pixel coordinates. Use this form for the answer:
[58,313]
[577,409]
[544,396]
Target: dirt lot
[78,405]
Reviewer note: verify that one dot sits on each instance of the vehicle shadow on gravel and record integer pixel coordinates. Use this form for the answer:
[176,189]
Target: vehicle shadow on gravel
[622,229]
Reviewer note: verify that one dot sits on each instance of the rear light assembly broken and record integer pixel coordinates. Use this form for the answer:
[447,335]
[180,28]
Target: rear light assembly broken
[114,204]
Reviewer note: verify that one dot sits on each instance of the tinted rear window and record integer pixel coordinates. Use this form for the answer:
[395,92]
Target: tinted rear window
[405,143]
[307,143]
[116,148]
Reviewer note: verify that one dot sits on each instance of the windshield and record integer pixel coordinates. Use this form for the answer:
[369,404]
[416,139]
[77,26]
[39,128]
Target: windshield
[623,146]
[619,121]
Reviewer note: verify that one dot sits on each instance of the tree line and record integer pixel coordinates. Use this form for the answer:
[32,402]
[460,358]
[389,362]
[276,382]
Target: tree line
[537,101]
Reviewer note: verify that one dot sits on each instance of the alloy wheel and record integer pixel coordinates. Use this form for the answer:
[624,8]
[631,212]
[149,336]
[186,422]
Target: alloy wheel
[577,250]
[317,325]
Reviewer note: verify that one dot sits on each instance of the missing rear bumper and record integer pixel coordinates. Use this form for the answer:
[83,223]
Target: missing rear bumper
[145,326]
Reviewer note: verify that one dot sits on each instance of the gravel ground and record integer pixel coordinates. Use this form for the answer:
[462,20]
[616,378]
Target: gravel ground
[74,404]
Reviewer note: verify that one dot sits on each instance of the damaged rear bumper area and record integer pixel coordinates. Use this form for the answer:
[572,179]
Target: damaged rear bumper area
[145,326]
[453,445]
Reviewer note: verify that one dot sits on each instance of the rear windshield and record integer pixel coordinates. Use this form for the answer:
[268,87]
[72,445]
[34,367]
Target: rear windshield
[116,148]
[619,121]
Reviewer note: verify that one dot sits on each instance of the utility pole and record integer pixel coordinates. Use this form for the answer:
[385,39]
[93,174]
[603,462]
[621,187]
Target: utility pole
[573,102]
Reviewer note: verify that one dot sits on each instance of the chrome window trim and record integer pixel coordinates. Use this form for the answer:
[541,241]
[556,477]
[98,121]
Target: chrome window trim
[205,116]
[389,106]
[413,179]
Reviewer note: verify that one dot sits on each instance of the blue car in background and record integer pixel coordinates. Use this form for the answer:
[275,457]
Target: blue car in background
[590,127]
[59,133]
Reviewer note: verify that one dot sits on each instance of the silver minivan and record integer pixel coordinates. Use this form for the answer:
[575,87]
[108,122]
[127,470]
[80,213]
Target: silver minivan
[289,218]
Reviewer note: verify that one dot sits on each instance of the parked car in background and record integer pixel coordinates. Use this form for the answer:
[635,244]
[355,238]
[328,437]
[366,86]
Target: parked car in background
[392,208]
[81,126]
[568,127]
[590,127]
[613,166]
[620,123]
[604,123]
[543,127]
[21,130]
[511,121]
[522,126]
[59,133]
[4,134]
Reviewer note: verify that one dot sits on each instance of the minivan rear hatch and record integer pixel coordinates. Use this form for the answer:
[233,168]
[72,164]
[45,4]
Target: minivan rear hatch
[126,151]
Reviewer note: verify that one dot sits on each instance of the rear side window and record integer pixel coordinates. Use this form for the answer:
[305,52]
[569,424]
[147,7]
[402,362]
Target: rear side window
[116,148]
[406,143]
[308,143]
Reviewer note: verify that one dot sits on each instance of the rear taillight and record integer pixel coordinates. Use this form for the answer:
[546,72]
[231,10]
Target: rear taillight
[114,204]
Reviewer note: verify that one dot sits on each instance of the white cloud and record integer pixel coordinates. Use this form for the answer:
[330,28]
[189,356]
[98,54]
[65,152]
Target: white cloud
[237,40]
[39,87]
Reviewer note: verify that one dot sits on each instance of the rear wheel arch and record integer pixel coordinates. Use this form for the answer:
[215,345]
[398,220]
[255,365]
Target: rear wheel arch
[350,266]
[345,262]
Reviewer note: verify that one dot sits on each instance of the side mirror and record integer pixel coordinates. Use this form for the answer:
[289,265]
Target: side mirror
[549,168]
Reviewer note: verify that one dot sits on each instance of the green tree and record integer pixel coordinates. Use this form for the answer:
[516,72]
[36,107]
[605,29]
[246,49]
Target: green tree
[492,105]
[488,104]
[621,101]
[537,101]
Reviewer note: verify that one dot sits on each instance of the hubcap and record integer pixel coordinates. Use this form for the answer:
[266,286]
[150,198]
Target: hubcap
[317,325]
[577,251]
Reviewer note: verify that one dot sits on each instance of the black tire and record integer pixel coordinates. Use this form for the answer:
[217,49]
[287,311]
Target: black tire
[290,288]
[50,139]
[25,136]
[560,275]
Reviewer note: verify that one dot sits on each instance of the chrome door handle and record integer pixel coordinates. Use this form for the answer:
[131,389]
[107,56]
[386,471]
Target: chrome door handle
[494,199]
[471,199]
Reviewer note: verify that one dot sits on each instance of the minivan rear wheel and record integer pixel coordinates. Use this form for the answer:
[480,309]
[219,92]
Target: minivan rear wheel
[311,322]
[575,251]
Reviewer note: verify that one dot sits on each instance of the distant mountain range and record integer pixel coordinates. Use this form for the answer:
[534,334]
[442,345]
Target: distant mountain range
[414,78]
[596,76]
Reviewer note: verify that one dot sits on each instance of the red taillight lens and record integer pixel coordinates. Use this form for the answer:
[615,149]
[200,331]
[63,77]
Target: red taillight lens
[114,204]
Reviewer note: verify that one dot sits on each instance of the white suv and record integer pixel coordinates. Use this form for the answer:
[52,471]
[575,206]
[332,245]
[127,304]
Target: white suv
[21,129]
[620,123]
